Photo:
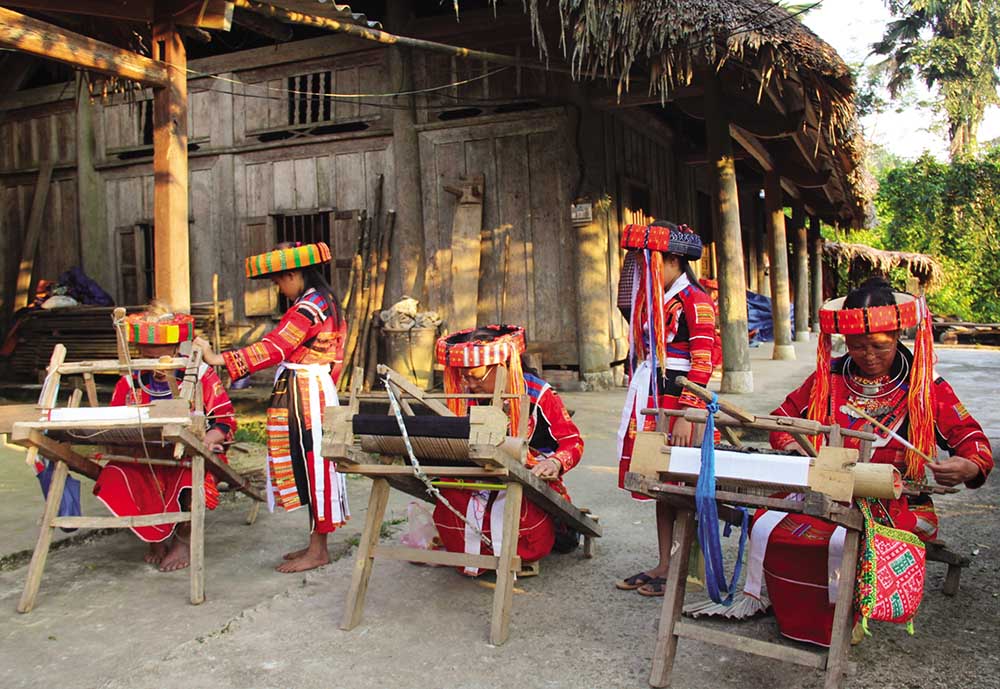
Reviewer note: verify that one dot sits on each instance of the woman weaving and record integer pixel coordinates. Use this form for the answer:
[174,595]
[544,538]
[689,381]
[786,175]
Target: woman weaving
[471,360]
[307,346]
[132,489]
[879,378]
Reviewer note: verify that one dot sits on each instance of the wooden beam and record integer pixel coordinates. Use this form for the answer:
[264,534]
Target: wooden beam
[816,271]
[386,38]
[800,241]
[635,100]
[32,235]
[262,25]
[751,116]
[170,171]
[29,437]
[778,249]
[206,14]
[736,375]
[29,35]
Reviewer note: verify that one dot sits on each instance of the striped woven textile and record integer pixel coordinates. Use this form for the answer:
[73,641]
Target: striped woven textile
[279,260]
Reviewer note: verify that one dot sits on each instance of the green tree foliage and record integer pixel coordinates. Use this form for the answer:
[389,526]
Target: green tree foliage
[951,211]
[953,45]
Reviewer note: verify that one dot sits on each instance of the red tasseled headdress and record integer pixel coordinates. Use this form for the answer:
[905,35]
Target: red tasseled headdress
[456,352]
[908,312]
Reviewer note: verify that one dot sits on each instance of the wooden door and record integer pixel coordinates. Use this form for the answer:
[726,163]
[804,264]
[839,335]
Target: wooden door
[527,171]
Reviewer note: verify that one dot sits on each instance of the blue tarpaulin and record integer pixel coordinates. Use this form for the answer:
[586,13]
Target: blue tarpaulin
[759,318]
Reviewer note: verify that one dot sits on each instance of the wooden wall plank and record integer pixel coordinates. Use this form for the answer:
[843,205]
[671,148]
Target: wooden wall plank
[277,103]
[254,108]
[204,233]
[514,209]
[351,183]
[283,176]
[347,83]
[552,245]
[305,183]
[450,166]
[259,190]
[326,193]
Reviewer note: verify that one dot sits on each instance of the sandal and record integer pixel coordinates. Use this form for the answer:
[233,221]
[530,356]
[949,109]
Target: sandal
[654,588]
[633,582]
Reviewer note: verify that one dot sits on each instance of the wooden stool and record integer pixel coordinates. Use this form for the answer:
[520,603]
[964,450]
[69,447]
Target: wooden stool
[937,551]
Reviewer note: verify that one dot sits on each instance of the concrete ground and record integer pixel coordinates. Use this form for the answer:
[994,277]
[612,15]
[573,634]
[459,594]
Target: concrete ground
[105,619]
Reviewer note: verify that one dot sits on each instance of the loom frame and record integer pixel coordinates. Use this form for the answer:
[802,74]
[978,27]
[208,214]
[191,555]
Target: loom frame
[490,456]
[178,421]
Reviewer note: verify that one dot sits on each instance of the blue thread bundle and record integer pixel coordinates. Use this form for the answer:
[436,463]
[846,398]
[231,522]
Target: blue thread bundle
[708,519]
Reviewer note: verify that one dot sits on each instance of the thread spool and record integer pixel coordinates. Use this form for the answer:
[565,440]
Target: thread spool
[881,481]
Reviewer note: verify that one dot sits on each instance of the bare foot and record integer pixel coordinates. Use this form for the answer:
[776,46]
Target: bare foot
[154,555]
[308,560]
[295,554]
[178,557]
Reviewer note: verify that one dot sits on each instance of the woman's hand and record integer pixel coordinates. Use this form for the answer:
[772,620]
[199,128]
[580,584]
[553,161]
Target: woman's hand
[953,471]
[548,469]
[685,434]
[214,439]
[208,354]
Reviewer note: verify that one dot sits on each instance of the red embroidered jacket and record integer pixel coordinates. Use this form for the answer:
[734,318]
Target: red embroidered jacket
[308,333]
[690,322]
[551,432]
[956,431]
[219,411]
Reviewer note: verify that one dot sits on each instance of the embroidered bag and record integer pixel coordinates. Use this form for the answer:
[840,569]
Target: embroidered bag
[891,573]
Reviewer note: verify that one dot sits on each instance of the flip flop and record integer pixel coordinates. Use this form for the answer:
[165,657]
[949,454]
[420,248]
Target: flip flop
[633,582]
[653,588]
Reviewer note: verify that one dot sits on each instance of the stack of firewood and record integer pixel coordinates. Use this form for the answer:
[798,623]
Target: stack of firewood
[366,289]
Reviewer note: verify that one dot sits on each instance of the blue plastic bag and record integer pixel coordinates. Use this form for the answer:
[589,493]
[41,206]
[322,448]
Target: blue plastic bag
[70,504]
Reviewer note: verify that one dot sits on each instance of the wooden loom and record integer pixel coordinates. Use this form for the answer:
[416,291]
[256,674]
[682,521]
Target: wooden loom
[476,447]
[171,429]
[835,467]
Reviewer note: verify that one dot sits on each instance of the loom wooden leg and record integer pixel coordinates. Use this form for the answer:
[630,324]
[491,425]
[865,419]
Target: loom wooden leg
[41,553]
[673,601]
[952,580]
[252,514]
[503,596]
[365,558]
[843,615]
[197,529]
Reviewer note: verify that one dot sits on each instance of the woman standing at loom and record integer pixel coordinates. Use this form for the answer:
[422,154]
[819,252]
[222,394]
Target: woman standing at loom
[879,378]
[308,348]
[132,489]
[671,334]
[471,360]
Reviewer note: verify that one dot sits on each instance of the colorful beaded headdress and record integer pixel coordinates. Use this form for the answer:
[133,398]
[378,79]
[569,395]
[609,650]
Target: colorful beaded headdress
[663,236]
[647,336]
[148,329]
[293,258]
[457,351]
[908,312]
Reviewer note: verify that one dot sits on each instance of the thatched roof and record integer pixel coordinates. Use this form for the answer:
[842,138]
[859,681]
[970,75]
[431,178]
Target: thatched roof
[925,268]
[672,39]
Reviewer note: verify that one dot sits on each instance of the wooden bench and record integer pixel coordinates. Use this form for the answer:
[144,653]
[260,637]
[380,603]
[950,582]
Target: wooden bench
[937,551]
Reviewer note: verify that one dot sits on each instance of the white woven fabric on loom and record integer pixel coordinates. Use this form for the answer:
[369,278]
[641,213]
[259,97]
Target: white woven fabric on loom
[97,414]
[787,470]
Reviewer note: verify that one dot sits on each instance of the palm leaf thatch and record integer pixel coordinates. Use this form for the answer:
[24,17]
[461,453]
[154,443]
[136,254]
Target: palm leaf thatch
[926,269]
[671,40]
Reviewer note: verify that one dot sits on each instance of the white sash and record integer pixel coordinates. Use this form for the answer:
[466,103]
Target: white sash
[319,375]
[475,514]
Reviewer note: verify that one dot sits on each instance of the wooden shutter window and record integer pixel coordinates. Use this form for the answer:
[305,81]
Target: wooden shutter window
[260,297]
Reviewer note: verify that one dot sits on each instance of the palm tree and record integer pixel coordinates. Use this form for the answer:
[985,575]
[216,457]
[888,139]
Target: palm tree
[951,44]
